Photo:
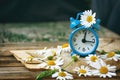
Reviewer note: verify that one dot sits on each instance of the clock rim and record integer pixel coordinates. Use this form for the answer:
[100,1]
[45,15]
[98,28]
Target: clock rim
[80,53]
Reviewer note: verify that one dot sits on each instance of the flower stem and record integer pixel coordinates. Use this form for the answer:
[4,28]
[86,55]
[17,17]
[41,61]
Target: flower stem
[68,64]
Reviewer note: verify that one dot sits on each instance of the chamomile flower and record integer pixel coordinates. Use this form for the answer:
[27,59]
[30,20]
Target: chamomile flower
[92,60]
[31,59]
[85,71]
[62,75]
[52,52]
[111,56]
[52,64]
[38,53]
[87,18]
[104,70]
[65,48]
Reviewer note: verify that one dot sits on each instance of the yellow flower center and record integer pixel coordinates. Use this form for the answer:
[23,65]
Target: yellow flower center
[51,62]
[103,70]
[110,54]
[29,58]
[65,45]
[82,71]
[53,53]
[62,74]
[93,58]
[89,19]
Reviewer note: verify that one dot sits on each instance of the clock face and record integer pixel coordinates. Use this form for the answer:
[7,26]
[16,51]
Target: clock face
[84,41]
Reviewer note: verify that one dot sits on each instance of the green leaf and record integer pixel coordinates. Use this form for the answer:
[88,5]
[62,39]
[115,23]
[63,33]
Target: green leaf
[45,74]
[117,52]
[102,52]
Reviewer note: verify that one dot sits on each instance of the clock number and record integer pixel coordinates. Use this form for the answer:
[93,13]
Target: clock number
[74,39]
[79,48]
[83,49]
[93,40]
[91,44]
[88,48]
[76,35]
[92,36]
[76,44]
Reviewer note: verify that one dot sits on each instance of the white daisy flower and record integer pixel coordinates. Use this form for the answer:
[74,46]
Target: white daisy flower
[52,52]
[92,60]
[104,70]
[87,19]
[65,48]
[62,75]
[111,56]
[85,71]
[38,53]
[52,64]
[31,59]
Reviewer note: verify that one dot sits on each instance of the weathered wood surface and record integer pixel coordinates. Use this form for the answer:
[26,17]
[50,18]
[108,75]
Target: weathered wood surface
[11,69]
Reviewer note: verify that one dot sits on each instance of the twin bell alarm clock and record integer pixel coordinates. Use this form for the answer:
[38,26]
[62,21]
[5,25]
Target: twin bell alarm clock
[83,38]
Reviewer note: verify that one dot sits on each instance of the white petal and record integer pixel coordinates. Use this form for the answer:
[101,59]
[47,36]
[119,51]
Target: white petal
[82,67]
[113,74]
[79,75]
[104,76]
[115,59]
[94,14]
[55,74]
[109,75]
[76,69]
[69,77]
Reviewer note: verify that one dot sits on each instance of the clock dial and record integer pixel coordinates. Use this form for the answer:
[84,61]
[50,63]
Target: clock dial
[83,41]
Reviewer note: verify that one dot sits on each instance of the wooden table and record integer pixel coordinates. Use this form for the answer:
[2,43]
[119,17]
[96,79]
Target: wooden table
[11,69]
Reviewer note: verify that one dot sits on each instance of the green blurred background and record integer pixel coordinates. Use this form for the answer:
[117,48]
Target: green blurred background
[37,20]
[48,20]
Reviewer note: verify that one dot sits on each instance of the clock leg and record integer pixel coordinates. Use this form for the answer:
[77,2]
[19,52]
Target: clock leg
[72,53]
[94,52]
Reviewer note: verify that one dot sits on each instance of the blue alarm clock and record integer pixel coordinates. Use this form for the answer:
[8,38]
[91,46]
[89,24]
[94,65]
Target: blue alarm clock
[83,40]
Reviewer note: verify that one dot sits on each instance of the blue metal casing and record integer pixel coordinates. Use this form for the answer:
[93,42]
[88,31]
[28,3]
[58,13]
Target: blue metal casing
[72,47]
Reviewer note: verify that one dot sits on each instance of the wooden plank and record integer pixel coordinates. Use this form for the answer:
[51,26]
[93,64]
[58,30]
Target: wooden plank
[27,46]
[16,76]
[6,47]
[18,73]
[9,61]
[36,44]
[11,64]
[76,77]
[21,73]
[12,69]
[5,53]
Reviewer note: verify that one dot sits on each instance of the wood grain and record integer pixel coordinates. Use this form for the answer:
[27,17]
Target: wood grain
[11,69]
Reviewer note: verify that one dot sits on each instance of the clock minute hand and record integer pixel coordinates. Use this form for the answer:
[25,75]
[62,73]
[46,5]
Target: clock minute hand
[90,41]
[85,36]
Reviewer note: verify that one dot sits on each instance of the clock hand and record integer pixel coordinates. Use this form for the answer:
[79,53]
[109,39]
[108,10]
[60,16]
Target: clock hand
[84,38]
[90,41]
